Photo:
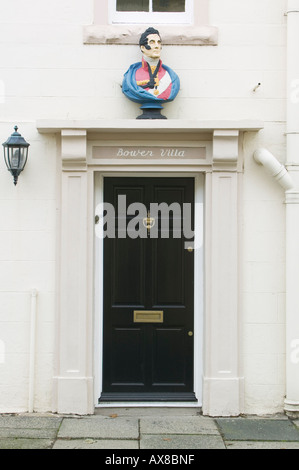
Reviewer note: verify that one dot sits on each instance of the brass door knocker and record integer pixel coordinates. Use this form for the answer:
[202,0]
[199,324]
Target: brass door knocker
[149,222]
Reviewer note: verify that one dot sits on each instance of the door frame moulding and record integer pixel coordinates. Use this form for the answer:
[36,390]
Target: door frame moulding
[74,367]
[198,293]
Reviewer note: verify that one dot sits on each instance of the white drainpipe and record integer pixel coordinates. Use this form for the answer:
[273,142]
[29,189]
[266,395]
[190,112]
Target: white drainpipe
[292,212]
[284,178]
[274,168]
[289,180]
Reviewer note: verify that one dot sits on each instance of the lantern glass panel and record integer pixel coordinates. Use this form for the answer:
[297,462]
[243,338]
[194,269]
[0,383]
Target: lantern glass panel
[17,158]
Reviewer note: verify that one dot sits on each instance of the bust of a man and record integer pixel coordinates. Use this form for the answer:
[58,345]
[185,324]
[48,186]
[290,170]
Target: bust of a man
[150,82]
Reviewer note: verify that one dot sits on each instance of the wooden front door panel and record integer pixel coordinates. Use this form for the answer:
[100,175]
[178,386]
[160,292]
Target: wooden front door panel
[152,360]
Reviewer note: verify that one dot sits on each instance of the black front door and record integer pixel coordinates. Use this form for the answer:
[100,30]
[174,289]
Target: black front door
[148,290]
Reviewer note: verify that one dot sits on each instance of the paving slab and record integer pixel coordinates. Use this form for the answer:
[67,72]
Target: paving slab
[296,422]
[96,444]
[99,427]
[260,445]
[257,429]
[29,427]
[25,421]
[146,428]
[16,443]
[181,441]
[178,425]
[28,433]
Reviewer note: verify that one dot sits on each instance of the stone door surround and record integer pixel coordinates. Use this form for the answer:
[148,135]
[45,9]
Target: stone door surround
[221,163]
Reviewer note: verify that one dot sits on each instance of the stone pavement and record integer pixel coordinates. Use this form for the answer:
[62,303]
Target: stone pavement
[147,428]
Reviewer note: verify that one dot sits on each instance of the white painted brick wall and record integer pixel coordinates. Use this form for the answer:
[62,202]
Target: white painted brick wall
[47,72]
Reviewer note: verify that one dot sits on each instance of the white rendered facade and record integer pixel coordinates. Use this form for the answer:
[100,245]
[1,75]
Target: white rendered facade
[60,75]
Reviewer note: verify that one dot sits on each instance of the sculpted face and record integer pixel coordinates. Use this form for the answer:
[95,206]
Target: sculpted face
[154,42]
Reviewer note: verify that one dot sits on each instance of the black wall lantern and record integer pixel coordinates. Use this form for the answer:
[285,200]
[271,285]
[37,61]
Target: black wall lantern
[15,154]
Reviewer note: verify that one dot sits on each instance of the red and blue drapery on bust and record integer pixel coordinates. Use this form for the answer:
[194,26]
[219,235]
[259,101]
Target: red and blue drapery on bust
[151,84]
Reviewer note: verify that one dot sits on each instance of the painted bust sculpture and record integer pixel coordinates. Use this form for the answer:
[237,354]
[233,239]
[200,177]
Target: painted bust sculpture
[151,83]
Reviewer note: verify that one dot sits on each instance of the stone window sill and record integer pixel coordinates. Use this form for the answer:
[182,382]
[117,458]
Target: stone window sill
[172,35]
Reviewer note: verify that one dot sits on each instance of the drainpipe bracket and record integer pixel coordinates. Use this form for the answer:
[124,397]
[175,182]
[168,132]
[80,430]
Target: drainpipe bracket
[292,196]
